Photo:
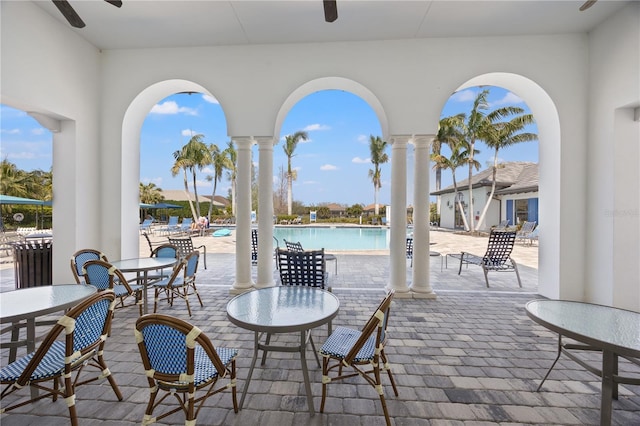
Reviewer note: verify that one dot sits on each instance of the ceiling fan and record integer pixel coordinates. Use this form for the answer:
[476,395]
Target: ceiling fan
[330,10]
[587,5]
[74,19]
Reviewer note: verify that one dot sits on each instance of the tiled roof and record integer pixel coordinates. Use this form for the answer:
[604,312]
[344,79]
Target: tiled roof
[511,177]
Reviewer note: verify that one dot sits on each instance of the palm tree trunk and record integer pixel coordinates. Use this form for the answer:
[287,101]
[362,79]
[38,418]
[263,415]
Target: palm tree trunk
[493,188]
[195,193]
[289,194]
[471,222]
[186,191]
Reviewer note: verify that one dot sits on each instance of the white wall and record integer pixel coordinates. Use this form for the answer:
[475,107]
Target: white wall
[612,157]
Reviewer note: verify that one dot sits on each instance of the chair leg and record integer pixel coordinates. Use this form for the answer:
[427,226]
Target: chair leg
[486,275]
[386,367]
[325,377]
[461,259]
[515,267]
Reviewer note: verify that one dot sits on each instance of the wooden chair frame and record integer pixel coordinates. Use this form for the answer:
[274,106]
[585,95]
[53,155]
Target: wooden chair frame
[156,335]
[181,283]
[86,327]
[374,336]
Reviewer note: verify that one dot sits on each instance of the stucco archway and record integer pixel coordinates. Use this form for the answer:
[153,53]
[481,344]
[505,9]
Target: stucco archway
[132,123]
[546,115]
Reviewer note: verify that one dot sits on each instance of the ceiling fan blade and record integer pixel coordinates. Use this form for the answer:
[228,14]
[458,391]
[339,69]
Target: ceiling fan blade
[587,5]
[67,11]
[116,3]
[330,10]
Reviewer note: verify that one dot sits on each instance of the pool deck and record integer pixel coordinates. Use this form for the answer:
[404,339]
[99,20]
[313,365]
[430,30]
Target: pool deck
[469,357]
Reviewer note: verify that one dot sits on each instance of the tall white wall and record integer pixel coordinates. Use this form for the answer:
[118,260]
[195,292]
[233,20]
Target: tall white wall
[612,208]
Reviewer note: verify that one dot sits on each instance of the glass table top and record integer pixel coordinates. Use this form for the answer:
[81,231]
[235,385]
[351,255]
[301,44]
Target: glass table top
[610,326]
[282,308]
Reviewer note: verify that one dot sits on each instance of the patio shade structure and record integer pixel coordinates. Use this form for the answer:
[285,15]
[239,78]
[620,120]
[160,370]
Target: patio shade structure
[10,199]
[164,206]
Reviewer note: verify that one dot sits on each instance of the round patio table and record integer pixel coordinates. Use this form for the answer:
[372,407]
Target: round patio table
[283,309]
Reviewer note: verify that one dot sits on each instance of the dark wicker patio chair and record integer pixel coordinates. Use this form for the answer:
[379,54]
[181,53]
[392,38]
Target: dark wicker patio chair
[185,246]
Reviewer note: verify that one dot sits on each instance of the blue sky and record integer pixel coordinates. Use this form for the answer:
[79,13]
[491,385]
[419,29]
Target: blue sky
[332,165]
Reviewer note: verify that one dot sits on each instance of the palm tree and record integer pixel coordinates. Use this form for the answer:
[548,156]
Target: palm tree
[501,135]
[193,155]
[232,154]
[449,132]
[377,147]
[150,193]
[13,181]
[458,157]
[220,161]
[291,142]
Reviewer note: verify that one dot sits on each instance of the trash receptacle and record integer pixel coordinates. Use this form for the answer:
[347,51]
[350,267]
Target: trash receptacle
[32,262]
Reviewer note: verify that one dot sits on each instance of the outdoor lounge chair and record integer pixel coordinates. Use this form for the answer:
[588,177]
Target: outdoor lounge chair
[172,226]
[85,328]
[525,231]
[496,258]
[361,350]
[145,226]
[185,246]
[502,226]
[180,360]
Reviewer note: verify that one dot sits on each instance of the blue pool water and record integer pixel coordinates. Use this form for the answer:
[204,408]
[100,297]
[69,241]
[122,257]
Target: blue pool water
[337,238]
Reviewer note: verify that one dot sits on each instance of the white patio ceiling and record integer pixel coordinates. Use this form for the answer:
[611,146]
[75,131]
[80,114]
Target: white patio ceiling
[161,23]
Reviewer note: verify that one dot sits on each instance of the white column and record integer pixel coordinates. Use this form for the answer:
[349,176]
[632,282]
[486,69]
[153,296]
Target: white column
[398,229]
[265,212]
[243,216]
[420,284]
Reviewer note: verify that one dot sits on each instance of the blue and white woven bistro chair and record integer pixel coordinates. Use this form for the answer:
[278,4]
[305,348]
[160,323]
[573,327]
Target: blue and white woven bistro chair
[104,275]
[181,283]
[79,258]
[179,360]
[363,351]
[85,328]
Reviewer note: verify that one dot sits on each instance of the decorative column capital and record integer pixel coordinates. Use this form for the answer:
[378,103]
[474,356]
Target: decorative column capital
[399,140]
[243,142]
[264,141]
[422,141]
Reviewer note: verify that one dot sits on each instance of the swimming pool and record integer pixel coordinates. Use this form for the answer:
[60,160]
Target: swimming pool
[335,238]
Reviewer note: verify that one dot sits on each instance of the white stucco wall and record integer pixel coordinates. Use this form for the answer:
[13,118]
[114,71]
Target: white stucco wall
[572,83]
[613,197]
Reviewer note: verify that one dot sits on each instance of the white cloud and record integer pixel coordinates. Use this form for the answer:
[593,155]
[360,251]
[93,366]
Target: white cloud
[467,95]
[315,127]
[11,131]
[210,99]
[171,108]
[359,160]
[363,138]
[188,133]
[38,131]
[328,167]
[309,182]
[508,99]
[156,180]
[206,170]
[204,184]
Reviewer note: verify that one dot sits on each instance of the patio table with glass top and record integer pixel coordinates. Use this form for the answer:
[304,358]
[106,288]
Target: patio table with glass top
[612,331]
[141,266]
[282,309]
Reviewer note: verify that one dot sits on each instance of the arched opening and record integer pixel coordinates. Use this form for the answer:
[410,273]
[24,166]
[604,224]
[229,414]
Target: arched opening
[132,126]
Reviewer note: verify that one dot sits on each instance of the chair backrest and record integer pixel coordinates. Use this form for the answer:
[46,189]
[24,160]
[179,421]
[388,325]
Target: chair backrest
[254,245]
[166,250]
[103,275]
[184,244]
[79,258]
[303,268]
[409,250]
[186,223]
[527,227]
[146,223]
[173,221]
[502,225]
[167,347]
[191,265]
[499,247]
[86,327]
[377,323]
[293,246]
